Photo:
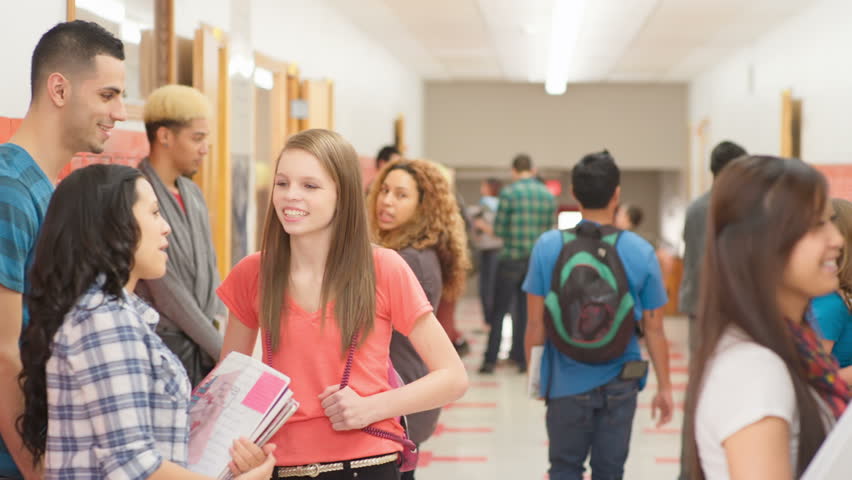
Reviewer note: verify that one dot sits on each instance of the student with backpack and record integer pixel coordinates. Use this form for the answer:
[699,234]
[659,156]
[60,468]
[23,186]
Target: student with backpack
[590,290]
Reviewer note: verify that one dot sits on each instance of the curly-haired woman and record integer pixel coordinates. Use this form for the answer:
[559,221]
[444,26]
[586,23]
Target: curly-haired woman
[412,210]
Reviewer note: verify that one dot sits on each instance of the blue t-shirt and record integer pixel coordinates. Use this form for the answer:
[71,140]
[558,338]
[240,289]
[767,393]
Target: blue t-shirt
[562,375]
[835,323]
[24,194]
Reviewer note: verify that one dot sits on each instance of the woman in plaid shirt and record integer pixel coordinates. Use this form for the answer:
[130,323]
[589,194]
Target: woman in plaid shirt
[105,398]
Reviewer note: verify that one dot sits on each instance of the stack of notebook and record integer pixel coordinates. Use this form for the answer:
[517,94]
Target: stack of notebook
[241,397]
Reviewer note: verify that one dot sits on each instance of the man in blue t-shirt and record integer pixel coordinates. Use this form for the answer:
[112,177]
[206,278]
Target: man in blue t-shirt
[77,81]
[590,408]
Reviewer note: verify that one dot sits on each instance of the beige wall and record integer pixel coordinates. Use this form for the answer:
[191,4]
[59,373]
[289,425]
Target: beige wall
[482,124]
[642,188]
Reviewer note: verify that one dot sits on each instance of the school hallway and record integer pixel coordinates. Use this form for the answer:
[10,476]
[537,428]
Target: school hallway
[496,431]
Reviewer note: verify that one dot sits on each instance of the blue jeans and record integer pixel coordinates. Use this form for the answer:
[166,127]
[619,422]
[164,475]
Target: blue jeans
[487,280]
[598,422]
[508,292]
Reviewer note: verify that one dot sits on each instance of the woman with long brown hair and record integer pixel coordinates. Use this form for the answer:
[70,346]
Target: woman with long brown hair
[763,392]
[412,210]
[833,312]
[326,301]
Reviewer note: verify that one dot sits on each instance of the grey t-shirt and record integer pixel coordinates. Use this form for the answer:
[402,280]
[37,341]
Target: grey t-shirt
[409,365]
[694,231]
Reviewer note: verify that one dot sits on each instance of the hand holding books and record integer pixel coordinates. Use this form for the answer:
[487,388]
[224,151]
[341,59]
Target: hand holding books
[241,397]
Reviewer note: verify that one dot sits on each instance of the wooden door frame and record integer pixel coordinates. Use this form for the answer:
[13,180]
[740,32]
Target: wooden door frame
[215,182]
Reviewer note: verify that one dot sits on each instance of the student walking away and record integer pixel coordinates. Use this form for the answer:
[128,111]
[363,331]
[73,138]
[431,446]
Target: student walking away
[763,392]
[487,244]
[105,398]
[527,209]
[326,301]
[177,124]
[77,81]
[591,290]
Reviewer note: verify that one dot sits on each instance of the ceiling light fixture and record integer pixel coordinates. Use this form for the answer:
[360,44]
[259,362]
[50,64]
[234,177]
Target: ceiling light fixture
[566,19]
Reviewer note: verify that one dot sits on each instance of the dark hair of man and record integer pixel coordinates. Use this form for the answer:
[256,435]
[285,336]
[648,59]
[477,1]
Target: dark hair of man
[385,154]
[594,180]
[70,47]
[723,154]
[494,186]
[522,163]
[750,237]
[635,215]
[89,230]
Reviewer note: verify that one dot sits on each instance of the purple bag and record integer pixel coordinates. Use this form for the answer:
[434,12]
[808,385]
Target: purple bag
[409,454]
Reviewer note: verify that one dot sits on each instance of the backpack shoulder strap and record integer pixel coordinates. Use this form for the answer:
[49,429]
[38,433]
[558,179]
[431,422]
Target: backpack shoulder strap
[610,234]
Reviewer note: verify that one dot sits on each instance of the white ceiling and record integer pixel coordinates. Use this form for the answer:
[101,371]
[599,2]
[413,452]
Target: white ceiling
[620,40]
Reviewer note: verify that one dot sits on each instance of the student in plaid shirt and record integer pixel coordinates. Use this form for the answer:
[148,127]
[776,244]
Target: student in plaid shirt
[526,210]
[105,398]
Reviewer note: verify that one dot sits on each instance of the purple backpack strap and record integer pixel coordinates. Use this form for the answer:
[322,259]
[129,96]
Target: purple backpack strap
[344,382]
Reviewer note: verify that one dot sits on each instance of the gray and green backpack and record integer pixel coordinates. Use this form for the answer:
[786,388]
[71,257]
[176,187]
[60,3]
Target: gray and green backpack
[589,309]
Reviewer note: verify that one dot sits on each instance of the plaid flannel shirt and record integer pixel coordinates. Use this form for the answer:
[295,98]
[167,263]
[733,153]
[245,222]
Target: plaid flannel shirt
[526,210]
[117,397]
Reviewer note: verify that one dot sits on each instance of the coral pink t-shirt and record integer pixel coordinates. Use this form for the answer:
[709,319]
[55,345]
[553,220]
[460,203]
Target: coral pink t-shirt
[310,355]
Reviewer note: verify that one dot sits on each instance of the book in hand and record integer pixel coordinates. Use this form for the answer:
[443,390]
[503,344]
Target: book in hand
[241,397]
[832,461]
[534,372]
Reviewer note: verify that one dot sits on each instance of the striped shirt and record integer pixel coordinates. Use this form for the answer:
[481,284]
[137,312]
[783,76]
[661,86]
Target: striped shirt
[527,209]
[24,194]
[117,397]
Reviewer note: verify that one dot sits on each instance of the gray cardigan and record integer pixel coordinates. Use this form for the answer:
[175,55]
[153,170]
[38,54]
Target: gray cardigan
[405,359]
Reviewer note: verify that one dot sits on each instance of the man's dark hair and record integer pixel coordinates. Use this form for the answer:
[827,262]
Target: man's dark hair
[70,47]
[635,214]
[522,163]
[494,186]
[723,154]
[384,155]
[594,180]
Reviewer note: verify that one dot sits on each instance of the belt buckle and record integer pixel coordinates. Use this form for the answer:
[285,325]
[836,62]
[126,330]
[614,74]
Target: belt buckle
[313,470]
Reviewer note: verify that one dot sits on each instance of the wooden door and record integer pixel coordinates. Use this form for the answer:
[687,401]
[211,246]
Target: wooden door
[210,75]
[271,110]
[320,97]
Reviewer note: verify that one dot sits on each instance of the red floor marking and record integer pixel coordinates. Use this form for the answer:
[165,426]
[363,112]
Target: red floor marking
[661,431]
[676,387]
[647,406]
[677,356]
[484,384]
[679,369]
[667,460]
[470,405]
[441,429]
[427,457]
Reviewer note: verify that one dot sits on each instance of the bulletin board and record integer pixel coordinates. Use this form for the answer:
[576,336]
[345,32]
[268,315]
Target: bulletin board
[839,180]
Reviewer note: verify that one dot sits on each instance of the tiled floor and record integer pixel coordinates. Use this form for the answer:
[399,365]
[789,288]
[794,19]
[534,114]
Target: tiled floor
[495,431]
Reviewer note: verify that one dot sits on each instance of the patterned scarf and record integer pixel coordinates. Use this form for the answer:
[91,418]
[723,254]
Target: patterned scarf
[821,368]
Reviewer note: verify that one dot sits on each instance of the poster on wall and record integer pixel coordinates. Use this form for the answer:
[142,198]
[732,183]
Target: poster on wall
[839,180]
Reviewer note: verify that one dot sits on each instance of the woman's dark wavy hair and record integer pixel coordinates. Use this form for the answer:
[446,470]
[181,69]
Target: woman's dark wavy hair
[89,230]
[760,208]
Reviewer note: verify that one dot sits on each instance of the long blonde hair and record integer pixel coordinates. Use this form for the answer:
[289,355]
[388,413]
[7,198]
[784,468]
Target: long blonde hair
[437,223]
[843,212]
[349,278]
